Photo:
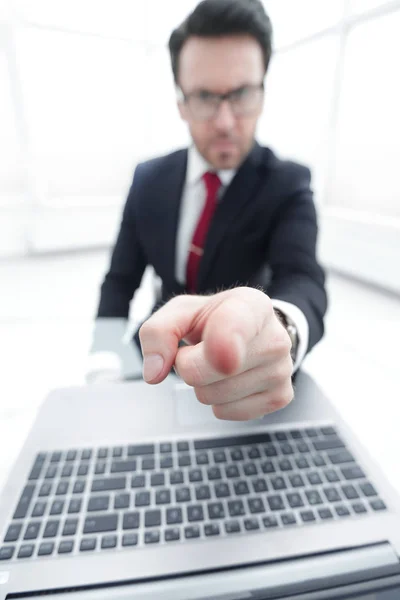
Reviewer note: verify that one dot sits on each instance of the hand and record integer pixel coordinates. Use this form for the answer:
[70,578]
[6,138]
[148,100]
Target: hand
[238,357]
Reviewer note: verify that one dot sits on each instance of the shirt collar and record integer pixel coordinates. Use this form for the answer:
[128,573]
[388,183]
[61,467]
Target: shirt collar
[197,166]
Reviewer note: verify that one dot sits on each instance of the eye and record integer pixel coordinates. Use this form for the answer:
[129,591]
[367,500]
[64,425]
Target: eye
[205,96]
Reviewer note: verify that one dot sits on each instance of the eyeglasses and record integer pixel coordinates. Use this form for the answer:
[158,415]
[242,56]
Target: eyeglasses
[243,101]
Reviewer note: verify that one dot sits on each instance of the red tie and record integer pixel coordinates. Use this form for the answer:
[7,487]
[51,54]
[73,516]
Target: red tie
[213,183]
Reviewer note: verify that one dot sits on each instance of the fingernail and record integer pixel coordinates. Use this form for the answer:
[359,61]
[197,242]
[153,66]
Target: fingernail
[152,366]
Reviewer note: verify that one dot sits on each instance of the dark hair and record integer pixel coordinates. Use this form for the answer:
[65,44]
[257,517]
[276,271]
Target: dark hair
[217,18]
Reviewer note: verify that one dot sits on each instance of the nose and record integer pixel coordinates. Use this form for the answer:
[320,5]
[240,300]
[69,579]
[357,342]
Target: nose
[224,119]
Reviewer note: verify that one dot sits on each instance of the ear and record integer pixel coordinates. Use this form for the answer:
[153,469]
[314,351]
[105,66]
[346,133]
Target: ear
[182,108]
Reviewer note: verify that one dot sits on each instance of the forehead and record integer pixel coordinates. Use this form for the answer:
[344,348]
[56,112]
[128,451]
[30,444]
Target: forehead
[220,64]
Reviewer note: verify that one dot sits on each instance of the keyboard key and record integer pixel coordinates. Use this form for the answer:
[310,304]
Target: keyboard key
[183,446]
[172,535]
[285,465]
[35,473]
[236,508]
[311,432]
[313,497]
[39,509]
[250,469]
[157,479]
[195,513]
[141,450]
[296,481]
[288,519]
[251,524]
[142,499]
[24,502]
[203,492]
[26,551]
[70,527]
[32,531]
[268,467]
[307,516]
[71,455]
[240,440]
[129,539]
[51,529]
[87,544]
[122,501]
[57,507]
[202,459]
[270,522]
[166,462]
[287,449]
[325,513]
[55,457]
[241,488]
[184,460]
[296,434]
[270,451]
[102,453]
[211,529]
[276,502]
[294,500]
[259,485]
[330,443]
[148,464]
[176,477]
[332,495]
[221,490]
[232,526]
[214,473]
[86,454]
[314,478]
[109,484]
[123,466]
[254,453]
[350,492]
[165,447]
[75,506]
[319,460]
[236,454]
[355,472]
[7,552]
[45,490]
[174,516]
[183,494]
[232,471]
[163,497]
[342,511]
[108,542]
[331,476]
[219,456]
[117,452]
[46,549]
[278,483]
[368,490]
[192,531]
[83,470]
[378,505]
[79,487]
[99,469]
[66,547]
[138,481]
[256,505]
[302,463]
[152,518]
[215,510]
[131,520]
[302,447]
[152,537]
[195,475]
[328,431]
[13,533]
[98,503]
[281,436]
[359,508]
[342,457]
[100,523]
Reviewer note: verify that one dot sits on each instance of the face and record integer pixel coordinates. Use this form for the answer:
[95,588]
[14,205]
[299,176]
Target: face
[219,66]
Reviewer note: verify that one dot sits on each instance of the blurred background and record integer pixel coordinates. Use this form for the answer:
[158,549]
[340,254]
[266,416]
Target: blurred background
[86,92]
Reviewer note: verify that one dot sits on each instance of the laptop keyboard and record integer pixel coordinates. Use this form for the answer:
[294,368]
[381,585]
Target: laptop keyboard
[86,500]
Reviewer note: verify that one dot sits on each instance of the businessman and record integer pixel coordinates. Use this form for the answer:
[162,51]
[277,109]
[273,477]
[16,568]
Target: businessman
[229,228]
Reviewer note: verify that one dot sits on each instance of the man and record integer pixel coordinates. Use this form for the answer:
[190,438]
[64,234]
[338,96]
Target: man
[228,227]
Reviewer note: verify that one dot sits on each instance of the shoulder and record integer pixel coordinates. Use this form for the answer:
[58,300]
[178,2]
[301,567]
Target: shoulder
[160,165]
[287,173]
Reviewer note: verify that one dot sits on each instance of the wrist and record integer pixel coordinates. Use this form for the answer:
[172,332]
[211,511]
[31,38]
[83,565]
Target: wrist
[291,330]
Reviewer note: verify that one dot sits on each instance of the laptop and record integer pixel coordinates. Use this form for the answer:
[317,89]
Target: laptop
[130,491]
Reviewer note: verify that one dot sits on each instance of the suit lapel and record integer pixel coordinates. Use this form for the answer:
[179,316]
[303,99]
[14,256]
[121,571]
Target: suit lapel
[236,197]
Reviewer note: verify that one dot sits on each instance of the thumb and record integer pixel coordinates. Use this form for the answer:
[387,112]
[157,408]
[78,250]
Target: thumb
[161,333]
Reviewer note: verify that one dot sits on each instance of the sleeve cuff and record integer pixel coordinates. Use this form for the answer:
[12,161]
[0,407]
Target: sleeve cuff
[299,320]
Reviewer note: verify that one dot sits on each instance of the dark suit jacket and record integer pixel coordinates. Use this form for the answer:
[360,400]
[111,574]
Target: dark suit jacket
[264,232]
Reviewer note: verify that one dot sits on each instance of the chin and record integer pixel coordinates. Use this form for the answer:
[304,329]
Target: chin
[226,160]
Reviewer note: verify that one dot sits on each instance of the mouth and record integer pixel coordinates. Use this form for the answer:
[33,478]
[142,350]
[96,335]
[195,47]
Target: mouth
[224,145]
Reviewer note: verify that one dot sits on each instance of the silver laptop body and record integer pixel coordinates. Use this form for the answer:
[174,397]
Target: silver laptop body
[134,491]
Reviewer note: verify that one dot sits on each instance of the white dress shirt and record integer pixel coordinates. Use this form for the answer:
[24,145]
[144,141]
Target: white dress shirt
[193,200]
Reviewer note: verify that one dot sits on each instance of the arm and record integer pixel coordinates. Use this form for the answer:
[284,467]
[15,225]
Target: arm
[297,278]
